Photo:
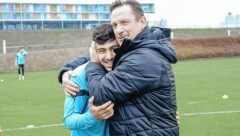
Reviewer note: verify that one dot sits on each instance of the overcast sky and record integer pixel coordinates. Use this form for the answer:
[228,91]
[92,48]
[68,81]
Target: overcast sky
[196,12]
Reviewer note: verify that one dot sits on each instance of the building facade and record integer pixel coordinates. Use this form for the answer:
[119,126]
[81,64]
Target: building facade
[58,14]
[232,21]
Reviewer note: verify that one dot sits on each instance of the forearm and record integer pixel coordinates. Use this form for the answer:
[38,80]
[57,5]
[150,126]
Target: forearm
[72,65]
[94,74]
[116,86]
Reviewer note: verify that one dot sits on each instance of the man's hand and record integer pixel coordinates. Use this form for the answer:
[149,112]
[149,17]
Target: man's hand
[101,112]
[69,87]
[93,52]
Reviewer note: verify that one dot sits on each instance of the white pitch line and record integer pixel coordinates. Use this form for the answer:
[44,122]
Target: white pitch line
[185,114]
[197,102]
[208,113]
[22,128]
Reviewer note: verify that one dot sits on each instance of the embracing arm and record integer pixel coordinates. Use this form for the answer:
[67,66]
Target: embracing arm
[72,65]
[127,80]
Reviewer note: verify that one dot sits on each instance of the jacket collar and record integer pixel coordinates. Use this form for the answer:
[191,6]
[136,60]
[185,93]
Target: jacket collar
[129,44]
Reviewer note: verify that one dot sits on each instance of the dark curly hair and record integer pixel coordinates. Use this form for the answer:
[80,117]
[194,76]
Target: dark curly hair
[103,33]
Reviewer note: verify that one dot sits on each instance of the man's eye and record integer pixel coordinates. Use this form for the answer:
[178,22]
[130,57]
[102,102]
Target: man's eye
[125,22]
[100,51]
[114,26]
[115,47]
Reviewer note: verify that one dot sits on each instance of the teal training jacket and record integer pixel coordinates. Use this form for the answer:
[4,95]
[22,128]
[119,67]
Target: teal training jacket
[20,57]
[77,117]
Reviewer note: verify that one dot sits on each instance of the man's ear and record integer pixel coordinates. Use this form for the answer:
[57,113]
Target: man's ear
[143,22]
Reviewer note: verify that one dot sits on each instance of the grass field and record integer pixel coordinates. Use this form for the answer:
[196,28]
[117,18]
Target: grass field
[38,100]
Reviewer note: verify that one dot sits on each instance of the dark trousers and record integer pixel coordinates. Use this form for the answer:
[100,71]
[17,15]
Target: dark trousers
[21,67]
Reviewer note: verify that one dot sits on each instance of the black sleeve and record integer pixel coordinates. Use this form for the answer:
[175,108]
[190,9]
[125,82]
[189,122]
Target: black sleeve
[72,65]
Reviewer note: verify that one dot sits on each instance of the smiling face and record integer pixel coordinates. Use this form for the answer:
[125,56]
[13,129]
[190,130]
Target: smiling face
[105,44]
[106,53]
[125,24]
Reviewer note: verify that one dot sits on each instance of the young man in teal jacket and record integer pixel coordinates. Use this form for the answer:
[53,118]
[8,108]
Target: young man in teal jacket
[20,61]
[77,116]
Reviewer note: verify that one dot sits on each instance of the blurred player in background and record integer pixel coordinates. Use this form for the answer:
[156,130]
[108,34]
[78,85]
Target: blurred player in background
[20,62]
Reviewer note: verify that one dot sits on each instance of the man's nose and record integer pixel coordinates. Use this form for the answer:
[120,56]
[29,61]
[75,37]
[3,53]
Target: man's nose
[119,29]
[109,55]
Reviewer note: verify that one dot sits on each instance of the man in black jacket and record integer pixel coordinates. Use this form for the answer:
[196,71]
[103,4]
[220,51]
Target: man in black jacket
[142,83]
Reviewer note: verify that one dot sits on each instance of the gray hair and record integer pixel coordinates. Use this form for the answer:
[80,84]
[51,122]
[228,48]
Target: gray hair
[135,6]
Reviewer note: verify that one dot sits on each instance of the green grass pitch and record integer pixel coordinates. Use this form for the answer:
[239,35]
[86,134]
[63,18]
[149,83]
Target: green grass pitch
[38,100]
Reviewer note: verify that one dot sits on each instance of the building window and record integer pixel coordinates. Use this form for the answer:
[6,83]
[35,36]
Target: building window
[85,16]
[44,8]
[75,8]
[68,16]
[10,16]
[79,8]
[37,16]
[104,16]
[147,7]
[12,7]
[25,7]
[103,8]
[5,7]
[46,16]
[93,16]
[79,16]
[63,8]
[53,8]
[69,8]
[28,16]
[84,8]
[37,7]
[93,8]
[18,16]
[59,16]
[18,7]
[74,16]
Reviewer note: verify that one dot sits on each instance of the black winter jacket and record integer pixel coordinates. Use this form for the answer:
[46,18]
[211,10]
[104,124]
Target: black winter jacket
[141,85]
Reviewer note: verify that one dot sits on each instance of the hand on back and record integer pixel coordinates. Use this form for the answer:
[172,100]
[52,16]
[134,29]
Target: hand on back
[69,87]
[103,111]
